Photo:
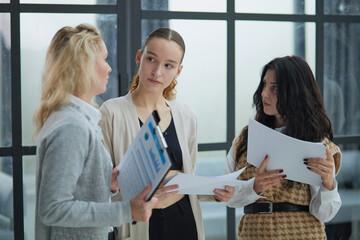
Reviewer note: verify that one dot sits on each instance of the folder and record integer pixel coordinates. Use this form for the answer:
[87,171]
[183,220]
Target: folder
[146,161]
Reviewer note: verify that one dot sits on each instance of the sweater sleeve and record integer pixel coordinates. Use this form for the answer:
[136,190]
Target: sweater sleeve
[63,154]
[244,194]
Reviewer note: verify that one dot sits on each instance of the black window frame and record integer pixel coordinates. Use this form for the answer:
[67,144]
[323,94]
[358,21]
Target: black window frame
[129,17]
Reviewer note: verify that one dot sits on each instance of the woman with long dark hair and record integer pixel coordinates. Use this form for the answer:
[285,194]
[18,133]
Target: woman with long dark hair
[287,100]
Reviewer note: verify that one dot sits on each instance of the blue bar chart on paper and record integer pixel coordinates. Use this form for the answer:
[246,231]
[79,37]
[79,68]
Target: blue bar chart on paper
[145,162]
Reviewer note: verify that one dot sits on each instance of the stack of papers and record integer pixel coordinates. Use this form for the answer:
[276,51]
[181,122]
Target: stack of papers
[284,152]
[199,185]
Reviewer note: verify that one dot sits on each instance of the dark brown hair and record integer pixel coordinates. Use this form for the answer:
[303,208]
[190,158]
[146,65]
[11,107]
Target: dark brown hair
[299,102]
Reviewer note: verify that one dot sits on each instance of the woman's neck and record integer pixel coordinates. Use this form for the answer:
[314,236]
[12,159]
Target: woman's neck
[279,122]
[85,97]
[147,100]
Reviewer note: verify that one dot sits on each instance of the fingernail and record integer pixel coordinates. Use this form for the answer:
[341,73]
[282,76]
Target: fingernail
[281,171]
[308,168]
[305,162]
[284,176]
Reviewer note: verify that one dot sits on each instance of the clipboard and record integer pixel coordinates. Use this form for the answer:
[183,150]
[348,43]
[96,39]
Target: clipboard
[146,161]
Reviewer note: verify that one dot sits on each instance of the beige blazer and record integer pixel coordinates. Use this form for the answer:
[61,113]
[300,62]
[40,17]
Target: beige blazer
[120,124]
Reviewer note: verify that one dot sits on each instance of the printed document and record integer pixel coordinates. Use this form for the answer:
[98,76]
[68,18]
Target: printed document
[199,185]
[284,152]
[145,162]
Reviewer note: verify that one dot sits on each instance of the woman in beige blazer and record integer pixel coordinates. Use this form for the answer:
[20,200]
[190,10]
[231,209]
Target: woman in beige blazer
[159,62]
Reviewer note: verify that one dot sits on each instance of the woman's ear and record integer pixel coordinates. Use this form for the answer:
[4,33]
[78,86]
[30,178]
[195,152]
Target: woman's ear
[138,57]
[178,71]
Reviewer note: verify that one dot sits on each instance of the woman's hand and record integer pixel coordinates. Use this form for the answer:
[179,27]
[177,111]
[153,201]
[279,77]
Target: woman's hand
[224,195]
[163,193]
[114,183]
[265,180]
[323,167]
[141,209]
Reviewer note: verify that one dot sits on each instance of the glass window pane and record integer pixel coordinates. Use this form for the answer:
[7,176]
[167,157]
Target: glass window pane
[4,1]
[342,76]
[275,6]
[6,199]
[37,31]
[212,163]
[345,224]
[256,44]
[342,7]
[29,180]
[199,87]
[185,5]
[82,2]
[5,81]
[205,50]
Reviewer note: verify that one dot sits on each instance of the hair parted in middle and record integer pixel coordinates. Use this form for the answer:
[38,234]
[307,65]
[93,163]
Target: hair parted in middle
[169,93]
[69,68]
[299,102]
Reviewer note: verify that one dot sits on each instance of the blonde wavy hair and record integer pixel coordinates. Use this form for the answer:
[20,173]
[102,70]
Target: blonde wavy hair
[69,68]
[169,93]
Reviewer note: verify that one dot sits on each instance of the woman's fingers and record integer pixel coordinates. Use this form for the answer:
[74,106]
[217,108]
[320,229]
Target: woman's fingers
[264,180]
[261,184]
[114,183]
[262,167]
[164,196]
[324,168]
[162,190]
[224,195]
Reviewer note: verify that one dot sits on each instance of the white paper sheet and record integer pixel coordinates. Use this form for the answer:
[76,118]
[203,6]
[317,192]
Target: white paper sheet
[284,152]
[199,185]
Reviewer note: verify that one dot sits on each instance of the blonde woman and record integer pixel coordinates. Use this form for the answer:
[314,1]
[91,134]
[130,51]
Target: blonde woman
[74,171]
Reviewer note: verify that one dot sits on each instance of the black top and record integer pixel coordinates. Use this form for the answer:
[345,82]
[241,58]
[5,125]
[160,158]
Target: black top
[174,148]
